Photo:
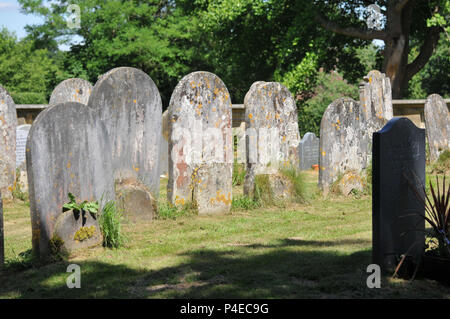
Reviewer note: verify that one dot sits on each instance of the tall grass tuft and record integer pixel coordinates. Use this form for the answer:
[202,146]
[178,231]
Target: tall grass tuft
[110,221]
[238,173]
[298,183]
[263,193]
[170,211]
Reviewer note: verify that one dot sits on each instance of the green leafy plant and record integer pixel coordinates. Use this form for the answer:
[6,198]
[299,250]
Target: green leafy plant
[245,203]
[110,221]
[85,206]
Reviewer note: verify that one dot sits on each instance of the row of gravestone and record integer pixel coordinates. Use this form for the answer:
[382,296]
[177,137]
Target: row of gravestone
[347,126]
[109,148]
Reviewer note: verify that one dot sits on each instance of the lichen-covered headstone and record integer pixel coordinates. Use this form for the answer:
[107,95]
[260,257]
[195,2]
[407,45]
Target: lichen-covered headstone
[2,235]
[200,144]
[375,95]
[21,143]
[344,145]
[272,131]
[164,148]
[8,124]
[68,151]
[71,90]
[398,167]
[128,102]
[437,123]
[309,151]
[239,139]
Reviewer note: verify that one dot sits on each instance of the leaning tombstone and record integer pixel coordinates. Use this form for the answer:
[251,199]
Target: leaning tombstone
[343,147]
[272,136]
[68,151]
[309,151]
[200,144]
[2,235]
[8,124]
[437,123]
[128,102]
[398,165]
[164,148]
[71,90]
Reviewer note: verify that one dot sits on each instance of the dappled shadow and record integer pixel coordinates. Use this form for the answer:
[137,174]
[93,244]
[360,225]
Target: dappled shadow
[229,272]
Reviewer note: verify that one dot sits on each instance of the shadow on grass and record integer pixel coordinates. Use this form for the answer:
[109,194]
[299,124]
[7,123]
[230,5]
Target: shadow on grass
[252,271]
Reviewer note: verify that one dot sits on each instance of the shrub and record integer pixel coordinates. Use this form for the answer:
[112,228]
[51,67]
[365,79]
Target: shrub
[110,221]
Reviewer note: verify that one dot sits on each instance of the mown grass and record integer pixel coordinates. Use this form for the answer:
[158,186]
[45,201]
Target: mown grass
[316,250]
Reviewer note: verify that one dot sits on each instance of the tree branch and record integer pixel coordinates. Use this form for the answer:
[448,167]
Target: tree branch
[400,5]
[426,51]
[350,31]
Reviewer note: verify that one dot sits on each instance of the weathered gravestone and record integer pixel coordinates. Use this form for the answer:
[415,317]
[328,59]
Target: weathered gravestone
[2,235]
[164,148]
[398,166]
[343,146]
[71,90]
[128,102]
[8,124]
[309,151]
[200,144]
[21,143]
[375,95]
[437,123]
[272,135]
[239,141]
[68,151]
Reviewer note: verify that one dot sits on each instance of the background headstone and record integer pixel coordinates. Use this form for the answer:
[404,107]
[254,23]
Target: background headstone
[68,150]
[128,102]
[71,90]
[343,145]
[21,143]
[200,144]
[398,155]
[164,150]
[309,151]
[239,135]
[2,235]
[272,131]
[437,123]
[8,124]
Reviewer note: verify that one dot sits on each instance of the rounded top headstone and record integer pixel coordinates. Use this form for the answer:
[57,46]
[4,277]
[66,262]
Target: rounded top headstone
[71,90]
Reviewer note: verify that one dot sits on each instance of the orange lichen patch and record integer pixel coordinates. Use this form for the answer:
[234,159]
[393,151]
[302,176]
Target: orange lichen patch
[213,109]
[72,175]
[277,116]
[136,169]
[69,164]
[179,200]
[193,84]
[134,101]
[250,116]
[323,153]
[221,198]
[200,105]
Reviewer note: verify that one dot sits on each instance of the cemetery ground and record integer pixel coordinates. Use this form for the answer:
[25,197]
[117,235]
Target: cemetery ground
[319,249]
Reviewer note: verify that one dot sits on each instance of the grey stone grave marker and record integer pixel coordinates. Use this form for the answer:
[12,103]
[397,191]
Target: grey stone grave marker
[8,124]
[21,143]
[68,151]
[272,135]
[200,144]
[71,90]
[437,123]
[128,102]
[344,144]
[309,151]
[398,156]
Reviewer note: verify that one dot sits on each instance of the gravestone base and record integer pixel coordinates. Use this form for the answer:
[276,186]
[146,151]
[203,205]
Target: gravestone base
[350,181]
[281,187]
[211,189]
[135,201]
[71,227]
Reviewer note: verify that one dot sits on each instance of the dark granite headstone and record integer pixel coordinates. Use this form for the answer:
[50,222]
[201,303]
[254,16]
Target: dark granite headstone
[68,151]
[309,151]
[398,164]
[71,90]
[128,102]
[8,124]
[2,235]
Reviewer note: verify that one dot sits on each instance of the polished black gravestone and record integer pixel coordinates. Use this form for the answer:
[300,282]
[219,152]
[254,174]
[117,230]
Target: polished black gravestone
[398,166]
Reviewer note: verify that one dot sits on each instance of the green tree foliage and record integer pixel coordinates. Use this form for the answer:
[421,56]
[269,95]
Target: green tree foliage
[28,74]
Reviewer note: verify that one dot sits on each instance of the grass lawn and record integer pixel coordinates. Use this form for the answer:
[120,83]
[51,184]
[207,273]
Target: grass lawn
[315,250]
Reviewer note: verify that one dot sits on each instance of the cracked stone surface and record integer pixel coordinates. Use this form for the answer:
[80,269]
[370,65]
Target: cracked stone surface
[200,144]
[437,123]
